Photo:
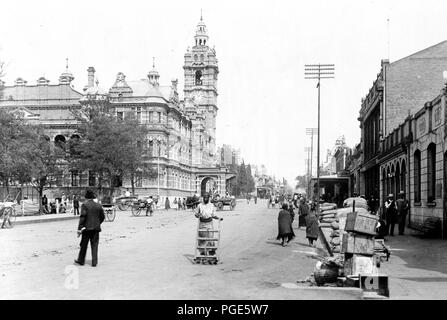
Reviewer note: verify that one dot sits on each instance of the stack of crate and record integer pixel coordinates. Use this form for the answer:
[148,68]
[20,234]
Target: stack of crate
[358,244]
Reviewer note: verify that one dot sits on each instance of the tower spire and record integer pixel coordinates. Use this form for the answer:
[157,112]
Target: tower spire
[153,62]
[66,63]
[201,16]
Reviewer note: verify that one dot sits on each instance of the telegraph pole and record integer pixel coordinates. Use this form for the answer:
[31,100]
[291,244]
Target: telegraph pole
[319,71]
[311,132]
[309,173]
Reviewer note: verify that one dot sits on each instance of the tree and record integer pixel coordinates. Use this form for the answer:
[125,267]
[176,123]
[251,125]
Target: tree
[15,139]
[136,157]
[301,182]
[242,179]
[250,180]
[43,163]
[112,148]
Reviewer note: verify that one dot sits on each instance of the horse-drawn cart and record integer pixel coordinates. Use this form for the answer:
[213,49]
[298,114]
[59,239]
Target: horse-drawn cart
[221,202]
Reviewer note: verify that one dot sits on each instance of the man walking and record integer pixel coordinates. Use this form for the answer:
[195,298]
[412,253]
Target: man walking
[402,210]
[92,215]
[75,205]
[391,214]
[45,204]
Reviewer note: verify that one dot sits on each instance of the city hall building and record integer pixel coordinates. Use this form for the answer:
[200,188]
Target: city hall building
[182,133]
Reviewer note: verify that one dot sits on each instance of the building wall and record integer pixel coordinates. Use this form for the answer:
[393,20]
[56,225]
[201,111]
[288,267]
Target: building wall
[411,81]
[422,210]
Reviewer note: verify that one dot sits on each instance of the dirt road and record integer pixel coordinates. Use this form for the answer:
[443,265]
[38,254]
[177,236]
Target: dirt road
[151,258]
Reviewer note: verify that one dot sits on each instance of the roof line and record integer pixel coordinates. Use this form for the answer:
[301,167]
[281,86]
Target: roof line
[420,51]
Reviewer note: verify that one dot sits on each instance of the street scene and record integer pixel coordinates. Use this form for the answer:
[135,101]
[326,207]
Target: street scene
[232,151]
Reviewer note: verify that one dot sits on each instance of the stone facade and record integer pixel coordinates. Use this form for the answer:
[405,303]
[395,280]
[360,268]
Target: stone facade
[182,132]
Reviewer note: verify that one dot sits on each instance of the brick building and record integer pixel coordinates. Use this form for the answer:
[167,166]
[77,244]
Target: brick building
[399,90]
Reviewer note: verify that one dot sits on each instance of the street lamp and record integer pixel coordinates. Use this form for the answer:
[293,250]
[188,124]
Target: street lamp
[319,71]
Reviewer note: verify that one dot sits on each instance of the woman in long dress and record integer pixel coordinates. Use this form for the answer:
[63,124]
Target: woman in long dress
[285,230]
[311,227]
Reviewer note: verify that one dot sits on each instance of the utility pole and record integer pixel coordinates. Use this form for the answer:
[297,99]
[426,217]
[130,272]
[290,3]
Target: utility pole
[319,71]
[311,132]
[309,173]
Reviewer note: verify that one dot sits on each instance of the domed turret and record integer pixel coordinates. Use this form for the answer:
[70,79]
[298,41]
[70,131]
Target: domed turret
[66,77]
[201,36]
[153,75]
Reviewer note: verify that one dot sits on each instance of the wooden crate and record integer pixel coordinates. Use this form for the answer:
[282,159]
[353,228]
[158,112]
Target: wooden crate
[361,223]
[357,243]
[359,264]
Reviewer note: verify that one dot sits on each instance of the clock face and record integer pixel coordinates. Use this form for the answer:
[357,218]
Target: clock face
[199,97]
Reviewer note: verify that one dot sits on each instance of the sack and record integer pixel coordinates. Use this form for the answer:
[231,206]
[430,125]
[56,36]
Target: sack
[335,233]
[335,241]
[359,203]
[335,225]
[329,215]
[328,220]
[325,225]
[343,212]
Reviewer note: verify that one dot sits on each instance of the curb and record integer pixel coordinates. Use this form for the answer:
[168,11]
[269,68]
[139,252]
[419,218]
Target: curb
[24,222]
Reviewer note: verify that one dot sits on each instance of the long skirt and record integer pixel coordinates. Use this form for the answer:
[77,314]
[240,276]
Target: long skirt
[302,221]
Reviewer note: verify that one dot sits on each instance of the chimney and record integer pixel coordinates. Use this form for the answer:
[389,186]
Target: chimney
[91,77]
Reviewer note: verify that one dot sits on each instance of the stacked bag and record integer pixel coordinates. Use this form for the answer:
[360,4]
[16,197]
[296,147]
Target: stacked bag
[329,219]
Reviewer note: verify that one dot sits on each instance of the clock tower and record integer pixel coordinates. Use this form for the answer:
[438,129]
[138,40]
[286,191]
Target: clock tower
[201,72]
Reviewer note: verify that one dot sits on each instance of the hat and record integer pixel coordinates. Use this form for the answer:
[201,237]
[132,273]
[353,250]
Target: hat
[401,192]
[206,194]
[390,195]
[89,194]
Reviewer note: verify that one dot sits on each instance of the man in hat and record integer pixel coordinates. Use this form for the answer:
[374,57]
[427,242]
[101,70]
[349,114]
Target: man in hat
[402,210]
[391,214]
[92,215]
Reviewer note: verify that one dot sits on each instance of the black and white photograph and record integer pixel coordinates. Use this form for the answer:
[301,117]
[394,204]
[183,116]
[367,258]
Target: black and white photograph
[223,150]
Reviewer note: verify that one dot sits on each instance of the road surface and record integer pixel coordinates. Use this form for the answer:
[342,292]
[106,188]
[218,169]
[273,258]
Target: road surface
[151,258]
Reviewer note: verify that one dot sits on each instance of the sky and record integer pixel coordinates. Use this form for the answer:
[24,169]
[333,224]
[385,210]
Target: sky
[265,104]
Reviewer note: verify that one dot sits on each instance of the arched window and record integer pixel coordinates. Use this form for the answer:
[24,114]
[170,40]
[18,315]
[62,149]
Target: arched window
[403,179]
[417,176]
[151,148]
[202,57]
[431,172]
[198,77]
[195,56]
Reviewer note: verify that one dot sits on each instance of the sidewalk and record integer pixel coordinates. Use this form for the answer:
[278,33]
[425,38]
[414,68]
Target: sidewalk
[417,268]
[23,220]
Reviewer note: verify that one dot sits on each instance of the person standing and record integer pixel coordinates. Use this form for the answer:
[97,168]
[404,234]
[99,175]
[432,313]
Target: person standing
[179,204]
[311,227]
[64,199]
[175,203]
[303,212]
[391,214]
[92,215]
[256,199]
[150,206]
[206,212]
[402,211]
[167,205]
[75,205]
[285,230]
[45,204]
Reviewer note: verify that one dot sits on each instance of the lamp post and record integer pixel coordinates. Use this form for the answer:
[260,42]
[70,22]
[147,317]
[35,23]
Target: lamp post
[319,71]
